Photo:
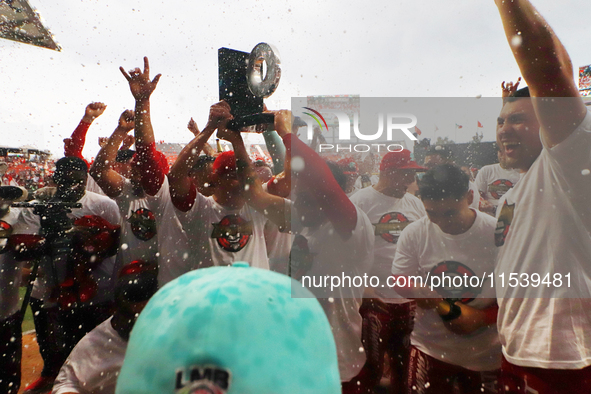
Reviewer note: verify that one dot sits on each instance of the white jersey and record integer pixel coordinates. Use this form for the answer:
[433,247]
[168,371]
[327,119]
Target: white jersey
[278,245]
[10,269]
[544,228]
[424,249]
[389,217]
[139,240]
[150,231]
[94,364]
[278,248]
[493,181]
[233,234]
[321,251]
[8,181]
[92,204]
[92,186]
[476,201]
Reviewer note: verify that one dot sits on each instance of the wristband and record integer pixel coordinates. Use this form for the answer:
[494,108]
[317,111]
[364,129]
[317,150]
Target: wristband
[454,311]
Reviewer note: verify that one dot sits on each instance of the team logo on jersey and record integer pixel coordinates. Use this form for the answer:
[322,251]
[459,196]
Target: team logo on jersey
[390,226]
[464,293]
[232,233]
[300,257]
[206,379]
[504,223]
[143,224]
[5,232]
[499,187]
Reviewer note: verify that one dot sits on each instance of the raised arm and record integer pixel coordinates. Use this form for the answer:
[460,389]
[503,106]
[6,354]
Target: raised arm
[272,206]
[182,189]
[152,163]
[317,178]
[74,145]
[276,150]
[546,67]
[102,168]
[207,149]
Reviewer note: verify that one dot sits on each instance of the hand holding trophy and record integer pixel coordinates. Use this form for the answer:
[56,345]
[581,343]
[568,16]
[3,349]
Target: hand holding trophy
[245,79]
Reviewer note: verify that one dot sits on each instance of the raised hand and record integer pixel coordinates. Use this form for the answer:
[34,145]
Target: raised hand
[139,82]
[509,88]
[219,115]
[126,120]
[283,122]
[192,126]
[228,135]
[128,142]
[93,111]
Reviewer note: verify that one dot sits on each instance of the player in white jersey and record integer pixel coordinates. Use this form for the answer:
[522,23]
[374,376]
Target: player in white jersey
[454,342]
[10,280]
[151,231]
[544,225]
[440,155]
[85,301]
[231,228]
[388,320]
[332,236]
[94,364]
[493,181]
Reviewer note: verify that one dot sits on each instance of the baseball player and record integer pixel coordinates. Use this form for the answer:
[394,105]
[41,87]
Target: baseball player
[544,224]
[388,320]
[455,344]
[94,364]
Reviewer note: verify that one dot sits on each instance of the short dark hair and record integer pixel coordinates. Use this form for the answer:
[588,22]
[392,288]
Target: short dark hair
[520,93]
[444,181]
[68,164]
[202,162]
[337,173]
[137,286]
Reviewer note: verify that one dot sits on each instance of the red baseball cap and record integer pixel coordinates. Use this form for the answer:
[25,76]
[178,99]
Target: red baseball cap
[399,161]
[225,163]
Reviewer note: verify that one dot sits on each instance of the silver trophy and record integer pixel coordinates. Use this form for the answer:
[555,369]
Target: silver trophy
[245,79]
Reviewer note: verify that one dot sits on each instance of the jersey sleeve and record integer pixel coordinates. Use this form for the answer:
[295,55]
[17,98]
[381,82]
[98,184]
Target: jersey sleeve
[153,166]
[66,381]
[110,211]
[28,222]
[196,212]
[476,200]
[73,147]
[573,156]
[406,259]
[481,180]
[317,177]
